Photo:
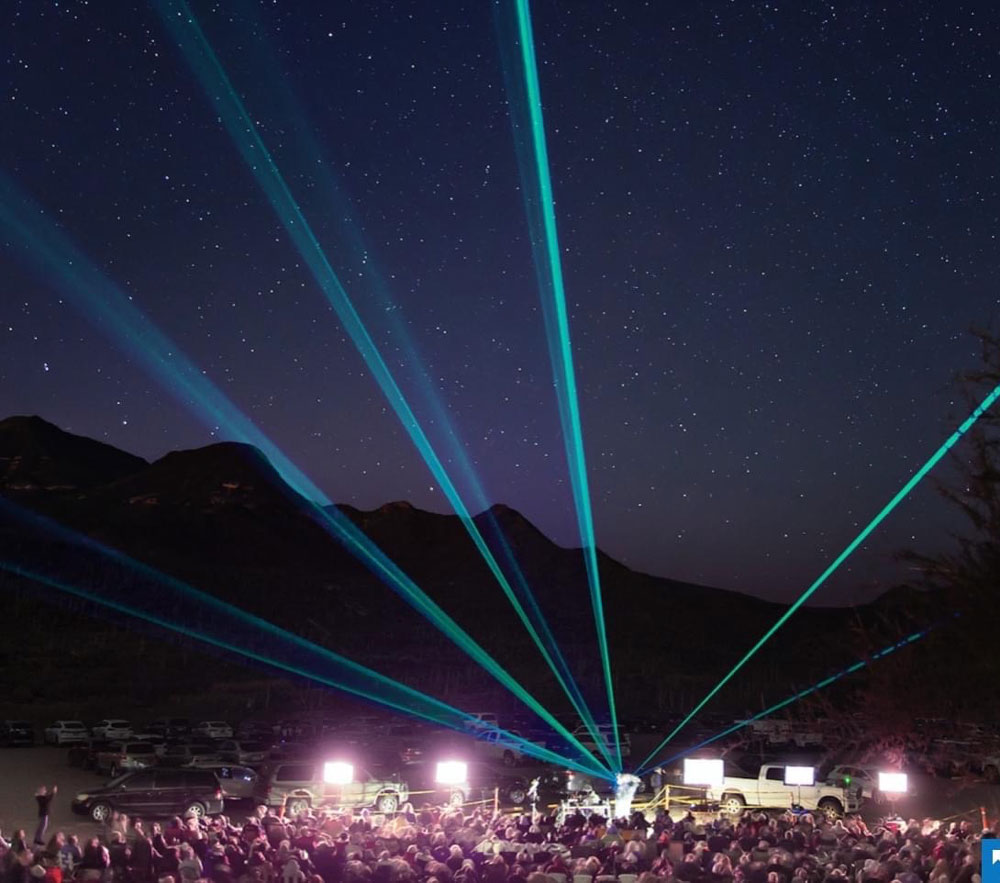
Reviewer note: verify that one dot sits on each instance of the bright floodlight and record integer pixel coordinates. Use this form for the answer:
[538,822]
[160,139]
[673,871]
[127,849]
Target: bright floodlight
[800,775]
[451,772]
[892,783]
[702,771]
[337,772]
[625,787]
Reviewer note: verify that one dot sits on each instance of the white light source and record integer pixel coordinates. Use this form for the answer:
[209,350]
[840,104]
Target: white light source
[892,783]
[625,787]
[703,771]
[800,775]
[337,772]
[451,772]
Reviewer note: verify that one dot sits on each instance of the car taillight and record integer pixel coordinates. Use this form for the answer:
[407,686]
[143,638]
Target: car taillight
[218,794]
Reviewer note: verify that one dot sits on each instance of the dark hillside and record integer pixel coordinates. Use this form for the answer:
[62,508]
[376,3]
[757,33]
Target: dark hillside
[221,519]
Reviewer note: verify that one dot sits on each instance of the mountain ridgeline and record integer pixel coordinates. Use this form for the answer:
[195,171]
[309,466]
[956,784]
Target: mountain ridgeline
[220,519]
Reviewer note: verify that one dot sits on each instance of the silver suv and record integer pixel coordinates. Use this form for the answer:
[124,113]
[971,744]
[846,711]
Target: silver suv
[299,785]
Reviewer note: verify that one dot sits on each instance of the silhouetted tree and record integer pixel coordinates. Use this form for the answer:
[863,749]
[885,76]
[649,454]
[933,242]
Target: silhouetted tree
[964,658]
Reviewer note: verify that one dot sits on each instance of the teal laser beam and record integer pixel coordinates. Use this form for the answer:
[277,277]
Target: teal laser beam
[767,712]
[310,154]
[556,315]
[162,592]
[115,314]
[903,492]
[301,657]
[197,51]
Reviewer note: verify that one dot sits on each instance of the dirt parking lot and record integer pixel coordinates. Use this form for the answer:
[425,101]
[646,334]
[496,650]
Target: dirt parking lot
[22,770]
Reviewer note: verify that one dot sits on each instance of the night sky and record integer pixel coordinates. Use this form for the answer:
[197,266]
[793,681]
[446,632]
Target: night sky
[778,223]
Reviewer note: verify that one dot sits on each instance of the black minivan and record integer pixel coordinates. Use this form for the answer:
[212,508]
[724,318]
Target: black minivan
[154,792]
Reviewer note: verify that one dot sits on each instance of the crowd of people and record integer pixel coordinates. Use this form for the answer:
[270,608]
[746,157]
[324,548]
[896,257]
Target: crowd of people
[448,845]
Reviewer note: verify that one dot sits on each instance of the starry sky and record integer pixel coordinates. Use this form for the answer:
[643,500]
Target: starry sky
[778,224]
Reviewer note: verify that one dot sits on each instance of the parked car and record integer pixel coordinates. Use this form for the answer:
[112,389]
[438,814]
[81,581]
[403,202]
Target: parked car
[65,732]
[170,727]
[791,734]
[14,732]
[860,778]
[497,745]
[356,731]
[112,729]
[298,785]
[328,726]
[84,755]
[162,746]
[291,751]
[295,730]
[478,721]
[187,753]
[153,792]
[398,743]
[122,756]
[238,782]
[245,753]
[252,730]
[607,736]
[482,780]
[141,734]
[768,790]
[213,730]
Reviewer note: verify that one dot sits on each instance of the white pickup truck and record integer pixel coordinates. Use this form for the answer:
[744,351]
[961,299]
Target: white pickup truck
[768,790]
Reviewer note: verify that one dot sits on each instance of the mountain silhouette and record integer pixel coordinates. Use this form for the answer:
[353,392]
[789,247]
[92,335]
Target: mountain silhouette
[221,519]
[37,456]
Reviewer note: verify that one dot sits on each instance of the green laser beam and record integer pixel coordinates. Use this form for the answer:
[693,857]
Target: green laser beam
[114,313]
[303,141]
[380,689]
[557,321]
[949,443]
[210,73]
[180,591]
[767,712]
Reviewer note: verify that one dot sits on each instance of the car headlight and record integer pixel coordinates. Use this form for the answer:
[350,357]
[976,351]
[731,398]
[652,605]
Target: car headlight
[82,797]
